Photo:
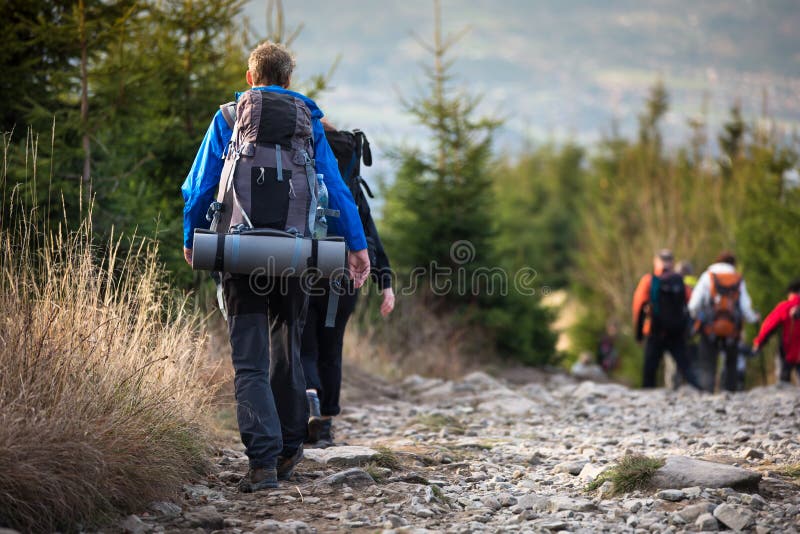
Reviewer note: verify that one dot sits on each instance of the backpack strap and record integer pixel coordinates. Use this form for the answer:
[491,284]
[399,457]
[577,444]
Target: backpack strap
[311,177]
[229,113]
[333,303]
[362,148]
[655,288]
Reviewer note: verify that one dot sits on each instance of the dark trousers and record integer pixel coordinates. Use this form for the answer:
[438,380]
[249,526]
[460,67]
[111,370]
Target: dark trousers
[654,349]
[265,324]
[708,357]
[321,349]
[786,370]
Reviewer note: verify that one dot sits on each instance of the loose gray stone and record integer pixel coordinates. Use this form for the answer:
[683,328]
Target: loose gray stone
[706,522]
[341,456]
[270,525]
[354,477]
[550,524]
[205,517]
[422,511]
[734,517]
[506,499]
[693,511]
[591,472]
[681,471]
[605,490]
[491,502]
[395,521]
[632,505]
[133,525]
[516,405]
[693,492]
[573,468]
[756,501]
[533,502]
[672,495]
[753,454]
[560,503]
[165,509]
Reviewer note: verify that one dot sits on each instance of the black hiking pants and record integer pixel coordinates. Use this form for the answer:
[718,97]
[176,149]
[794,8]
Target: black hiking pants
[265,321]
[786,370]
[708,362]
[654,348]
[321,349]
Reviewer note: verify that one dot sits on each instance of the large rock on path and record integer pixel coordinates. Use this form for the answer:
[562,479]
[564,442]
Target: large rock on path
[681,472]
[342,456]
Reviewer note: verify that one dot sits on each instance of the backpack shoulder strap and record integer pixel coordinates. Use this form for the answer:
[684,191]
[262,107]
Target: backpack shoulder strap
[655,288]
[362,148]
[229,113]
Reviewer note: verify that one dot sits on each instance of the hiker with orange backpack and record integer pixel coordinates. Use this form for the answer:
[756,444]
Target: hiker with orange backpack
[659,314]
[720,304]
[786,315]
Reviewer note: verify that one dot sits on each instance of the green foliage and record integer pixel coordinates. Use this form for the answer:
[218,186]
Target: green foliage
[521,326]
[537,211]
[155,74]
[643,199]
[443,200]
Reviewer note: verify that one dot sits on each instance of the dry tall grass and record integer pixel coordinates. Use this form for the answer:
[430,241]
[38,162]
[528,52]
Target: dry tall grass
[99,380]
[415,340]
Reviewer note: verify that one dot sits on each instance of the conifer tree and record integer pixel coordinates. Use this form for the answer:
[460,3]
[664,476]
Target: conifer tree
[442,193]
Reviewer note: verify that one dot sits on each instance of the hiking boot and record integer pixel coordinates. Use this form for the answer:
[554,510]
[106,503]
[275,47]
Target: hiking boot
[258,478]
[286,464]
[322,429]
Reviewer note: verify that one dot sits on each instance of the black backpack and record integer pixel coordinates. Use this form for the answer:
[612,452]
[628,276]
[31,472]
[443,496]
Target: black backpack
[668,312]
[350,149]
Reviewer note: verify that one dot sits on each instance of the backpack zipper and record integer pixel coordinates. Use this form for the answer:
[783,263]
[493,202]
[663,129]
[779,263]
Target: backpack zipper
[260,179]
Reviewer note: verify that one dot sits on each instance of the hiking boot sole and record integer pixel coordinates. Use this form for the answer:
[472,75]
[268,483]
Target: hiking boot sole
[249,487]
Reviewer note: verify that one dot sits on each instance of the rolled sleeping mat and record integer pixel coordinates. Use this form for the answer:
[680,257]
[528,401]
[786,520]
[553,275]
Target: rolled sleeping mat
[273,252]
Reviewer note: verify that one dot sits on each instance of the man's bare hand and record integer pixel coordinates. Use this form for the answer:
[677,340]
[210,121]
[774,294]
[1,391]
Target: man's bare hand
[187,254]
[358,263]
[388,302]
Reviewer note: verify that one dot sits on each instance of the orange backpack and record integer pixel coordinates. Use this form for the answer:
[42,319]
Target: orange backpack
[726,317]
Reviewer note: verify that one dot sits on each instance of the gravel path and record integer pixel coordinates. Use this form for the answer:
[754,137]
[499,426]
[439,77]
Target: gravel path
[481,454]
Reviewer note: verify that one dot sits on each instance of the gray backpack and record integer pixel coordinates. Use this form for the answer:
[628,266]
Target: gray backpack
[268,178]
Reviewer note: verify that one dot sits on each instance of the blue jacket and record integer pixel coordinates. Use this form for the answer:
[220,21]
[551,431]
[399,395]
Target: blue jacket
[200,186]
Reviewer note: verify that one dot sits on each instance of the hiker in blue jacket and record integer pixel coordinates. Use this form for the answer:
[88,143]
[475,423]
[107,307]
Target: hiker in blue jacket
[265,329]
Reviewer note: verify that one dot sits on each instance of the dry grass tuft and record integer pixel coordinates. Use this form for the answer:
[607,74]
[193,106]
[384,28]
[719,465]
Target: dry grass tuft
[632,472]
[99,380]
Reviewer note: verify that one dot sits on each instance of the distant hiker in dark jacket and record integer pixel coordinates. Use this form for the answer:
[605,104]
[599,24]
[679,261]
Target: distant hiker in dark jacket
[659,316]
[266,326]
[786,316]
[322,346]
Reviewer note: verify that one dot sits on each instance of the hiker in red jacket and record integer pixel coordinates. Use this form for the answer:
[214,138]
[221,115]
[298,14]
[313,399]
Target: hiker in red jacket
[786,315]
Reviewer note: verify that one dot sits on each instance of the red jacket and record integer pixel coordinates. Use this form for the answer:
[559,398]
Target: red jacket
[781,316]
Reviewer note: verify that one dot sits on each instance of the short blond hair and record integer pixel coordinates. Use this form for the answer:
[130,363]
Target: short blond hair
[271,64]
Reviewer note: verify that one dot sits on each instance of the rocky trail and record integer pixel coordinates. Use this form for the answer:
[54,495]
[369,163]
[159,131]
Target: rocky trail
[483,454]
